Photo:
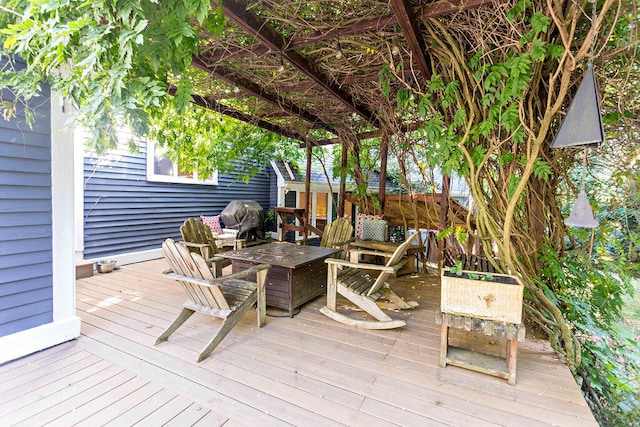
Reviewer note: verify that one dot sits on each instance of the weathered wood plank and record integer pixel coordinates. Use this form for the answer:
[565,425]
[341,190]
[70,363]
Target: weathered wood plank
[38,374]
[166,412]
[304,370]
[212,418]
[120,405]
[191,415]
[37,360]
[105,398]
[134,414]
[194,382]
[26,397]
[49,410]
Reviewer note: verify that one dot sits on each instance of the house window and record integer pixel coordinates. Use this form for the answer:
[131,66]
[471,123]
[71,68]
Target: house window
[162,169]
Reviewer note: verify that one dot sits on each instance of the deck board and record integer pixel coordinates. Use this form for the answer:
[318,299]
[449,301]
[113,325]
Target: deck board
[307,370]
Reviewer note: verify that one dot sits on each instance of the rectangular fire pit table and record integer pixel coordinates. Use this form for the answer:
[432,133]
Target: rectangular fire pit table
[298,273]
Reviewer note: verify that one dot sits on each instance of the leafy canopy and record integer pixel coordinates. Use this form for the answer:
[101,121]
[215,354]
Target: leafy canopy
[218,143]
[112,59]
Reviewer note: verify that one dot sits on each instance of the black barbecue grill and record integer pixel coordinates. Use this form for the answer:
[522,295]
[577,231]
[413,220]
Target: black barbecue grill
[246,216]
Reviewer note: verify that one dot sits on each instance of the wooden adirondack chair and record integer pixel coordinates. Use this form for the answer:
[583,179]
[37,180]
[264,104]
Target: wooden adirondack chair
[227,298]
[198,237]
[358,283]
[338,235]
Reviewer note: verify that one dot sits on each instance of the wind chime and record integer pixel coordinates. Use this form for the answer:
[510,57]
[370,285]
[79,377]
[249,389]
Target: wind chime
[582,127]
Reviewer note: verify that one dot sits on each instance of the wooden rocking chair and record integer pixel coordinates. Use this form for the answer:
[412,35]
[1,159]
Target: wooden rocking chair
[198,237]
[358,283]
[338,235]
[227,297]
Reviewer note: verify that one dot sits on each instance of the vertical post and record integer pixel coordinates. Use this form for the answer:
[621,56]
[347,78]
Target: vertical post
[261,303]
[343,181]
[444,341]
[332,287]
[382,188]
[357,168]
[307,189]
[444,207]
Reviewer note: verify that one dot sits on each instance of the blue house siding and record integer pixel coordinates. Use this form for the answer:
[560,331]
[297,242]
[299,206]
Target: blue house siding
[26,283]
[123,212]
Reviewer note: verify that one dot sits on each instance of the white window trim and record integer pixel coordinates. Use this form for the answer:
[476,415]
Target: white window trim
[152,176]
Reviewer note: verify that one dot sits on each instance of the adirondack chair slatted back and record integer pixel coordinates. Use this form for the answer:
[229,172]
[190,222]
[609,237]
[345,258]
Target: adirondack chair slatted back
[195,231]
[227,298]
[191,264]
[337,235]
[394,259]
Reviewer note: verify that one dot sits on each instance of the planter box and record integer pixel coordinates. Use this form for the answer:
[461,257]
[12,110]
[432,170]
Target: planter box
[497,298]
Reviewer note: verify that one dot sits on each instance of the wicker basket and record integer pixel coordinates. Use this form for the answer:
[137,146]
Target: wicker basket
[496,298]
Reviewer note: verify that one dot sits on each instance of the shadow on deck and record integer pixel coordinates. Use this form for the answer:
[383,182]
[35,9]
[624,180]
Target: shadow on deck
[306,371]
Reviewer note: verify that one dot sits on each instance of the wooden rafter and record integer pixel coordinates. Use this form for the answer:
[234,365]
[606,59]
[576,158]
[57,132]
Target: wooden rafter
[371,134]
[258,29]
[213,105]
[350,80]
[407,22]
[432,10]
[253,89]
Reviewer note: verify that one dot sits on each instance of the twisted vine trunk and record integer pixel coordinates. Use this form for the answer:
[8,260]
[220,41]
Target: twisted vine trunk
[516,205]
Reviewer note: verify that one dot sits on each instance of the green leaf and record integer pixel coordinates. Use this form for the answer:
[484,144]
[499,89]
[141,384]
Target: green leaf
[459,118]
[555,51]
[444,233]
[538,50]
[435,83]
[541,169]
[540,22]
[215,21]
[518,9]
[183,95]
[514,180]
[505,158]
[475,59]
[485,127]
[477,154]
[384,79]
[510,119]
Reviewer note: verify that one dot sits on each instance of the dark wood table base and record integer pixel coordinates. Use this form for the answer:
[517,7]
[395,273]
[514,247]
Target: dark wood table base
[298,273]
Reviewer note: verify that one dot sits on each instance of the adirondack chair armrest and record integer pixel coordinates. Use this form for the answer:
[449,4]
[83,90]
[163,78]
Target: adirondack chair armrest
[214,260]
[169,274]
[203,282]
[194,245]
[243,273]
[370,252]
[341,244]
[397,266]
[362,266]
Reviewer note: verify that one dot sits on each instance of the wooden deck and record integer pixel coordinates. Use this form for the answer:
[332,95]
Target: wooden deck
[305,371]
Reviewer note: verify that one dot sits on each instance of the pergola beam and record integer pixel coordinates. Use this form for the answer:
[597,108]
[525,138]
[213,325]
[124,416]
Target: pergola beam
[253,89]
[371,134]
[258,29]
[212,105]
[407,22]
[350,80]
[432,10]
